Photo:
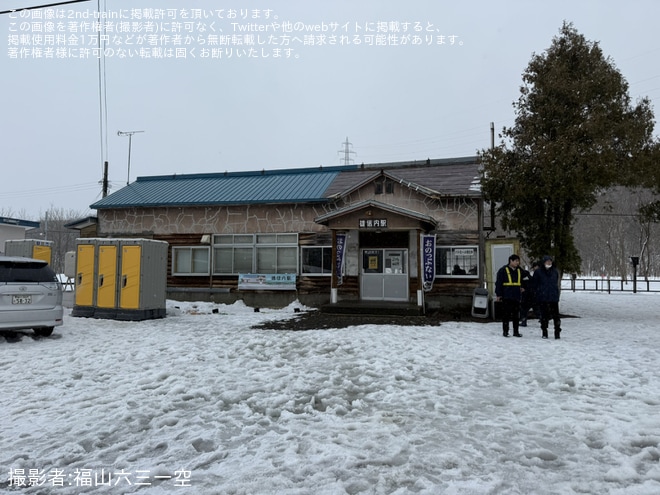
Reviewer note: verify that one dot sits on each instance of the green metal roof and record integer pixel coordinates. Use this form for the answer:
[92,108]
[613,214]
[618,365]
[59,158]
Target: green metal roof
[441,177]
[283,186]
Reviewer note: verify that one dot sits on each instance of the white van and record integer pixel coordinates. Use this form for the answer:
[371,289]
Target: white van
[30,295]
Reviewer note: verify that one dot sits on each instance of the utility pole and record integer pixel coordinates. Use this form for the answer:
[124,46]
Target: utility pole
[104,182]
[130,137]
[347,152]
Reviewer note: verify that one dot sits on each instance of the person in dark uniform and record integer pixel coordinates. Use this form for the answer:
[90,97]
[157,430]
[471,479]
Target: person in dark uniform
[528,297]
[457,270]
[546,284]
[508,290]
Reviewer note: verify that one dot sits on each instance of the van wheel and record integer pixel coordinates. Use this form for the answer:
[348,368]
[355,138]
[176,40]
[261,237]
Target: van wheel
[44,331]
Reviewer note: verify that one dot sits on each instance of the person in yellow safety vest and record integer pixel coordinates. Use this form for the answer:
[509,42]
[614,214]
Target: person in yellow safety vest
[508,291]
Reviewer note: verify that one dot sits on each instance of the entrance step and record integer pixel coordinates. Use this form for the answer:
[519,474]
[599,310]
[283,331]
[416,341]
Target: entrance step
[380,308]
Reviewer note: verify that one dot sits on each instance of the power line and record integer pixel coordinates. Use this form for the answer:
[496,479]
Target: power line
[54,189]
[42,6]
[632,215]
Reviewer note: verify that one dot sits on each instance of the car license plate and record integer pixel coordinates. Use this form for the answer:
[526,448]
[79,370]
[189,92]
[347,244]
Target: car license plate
[21,300]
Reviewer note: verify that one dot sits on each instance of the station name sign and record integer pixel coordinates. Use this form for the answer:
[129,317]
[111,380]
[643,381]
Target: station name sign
[267,281]
[372,223]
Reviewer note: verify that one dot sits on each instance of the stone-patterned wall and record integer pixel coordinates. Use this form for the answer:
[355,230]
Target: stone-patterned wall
[452,214]
[211,220]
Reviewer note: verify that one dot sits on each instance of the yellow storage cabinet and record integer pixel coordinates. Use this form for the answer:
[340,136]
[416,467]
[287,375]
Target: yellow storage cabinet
[85,283]
[107,259]
[131,274]
[143,279]
[30,248]
[122,279]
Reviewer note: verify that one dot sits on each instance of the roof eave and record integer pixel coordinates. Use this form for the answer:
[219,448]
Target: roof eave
[324,219]
[206,204]
[15,222]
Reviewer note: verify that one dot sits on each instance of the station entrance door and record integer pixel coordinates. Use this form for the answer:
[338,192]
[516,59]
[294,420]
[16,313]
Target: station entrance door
[384,275]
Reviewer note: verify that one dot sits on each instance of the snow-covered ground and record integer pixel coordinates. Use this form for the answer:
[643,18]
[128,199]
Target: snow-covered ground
[200,403]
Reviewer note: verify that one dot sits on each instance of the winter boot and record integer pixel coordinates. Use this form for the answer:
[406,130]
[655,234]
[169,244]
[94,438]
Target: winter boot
[557,332]
[516,333]
[545,333]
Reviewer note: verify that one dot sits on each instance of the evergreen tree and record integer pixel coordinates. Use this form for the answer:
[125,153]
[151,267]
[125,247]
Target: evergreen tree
[576,133]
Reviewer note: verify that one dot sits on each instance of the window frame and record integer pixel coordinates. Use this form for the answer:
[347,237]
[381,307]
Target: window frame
[384,186]
[233,246]
[453,259]
[257,241]
[192,273]
[323,249]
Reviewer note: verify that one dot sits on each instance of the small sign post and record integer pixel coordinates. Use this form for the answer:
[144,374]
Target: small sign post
[635,261]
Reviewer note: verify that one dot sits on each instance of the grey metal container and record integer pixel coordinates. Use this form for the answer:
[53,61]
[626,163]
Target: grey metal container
[30,248]
[142,281]
[122,279]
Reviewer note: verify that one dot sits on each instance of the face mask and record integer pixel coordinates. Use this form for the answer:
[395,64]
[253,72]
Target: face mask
[547,267]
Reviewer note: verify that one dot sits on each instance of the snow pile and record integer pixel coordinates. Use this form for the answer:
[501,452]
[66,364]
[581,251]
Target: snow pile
[199,402]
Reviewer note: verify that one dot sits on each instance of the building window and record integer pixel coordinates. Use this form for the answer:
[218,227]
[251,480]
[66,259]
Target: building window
[255,253]
[316,260]
[384,186]
[233,254]
[457,261]
[190,261]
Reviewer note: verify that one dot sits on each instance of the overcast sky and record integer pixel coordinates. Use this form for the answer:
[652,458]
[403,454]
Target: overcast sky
[426,81]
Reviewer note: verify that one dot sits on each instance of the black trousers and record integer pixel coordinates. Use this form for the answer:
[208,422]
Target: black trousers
[550,311]
[510,313]
[525,306]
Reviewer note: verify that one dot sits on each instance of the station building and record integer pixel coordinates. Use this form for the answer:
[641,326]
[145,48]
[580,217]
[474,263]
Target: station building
[392,233]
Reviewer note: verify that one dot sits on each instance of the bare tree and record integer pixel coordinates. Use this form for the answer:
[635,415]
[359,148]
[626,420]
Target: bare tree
[613,231]
[9,212]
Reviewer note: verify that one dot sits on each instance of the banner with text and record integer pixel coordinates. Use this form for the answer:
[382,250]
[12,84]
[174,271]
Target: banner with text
[267,281]
[428,260]
[339,260]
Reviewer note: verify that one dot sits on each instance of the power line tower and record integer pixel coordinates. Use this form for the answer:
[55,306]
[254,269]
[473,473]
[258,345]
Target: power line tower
[347,152]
